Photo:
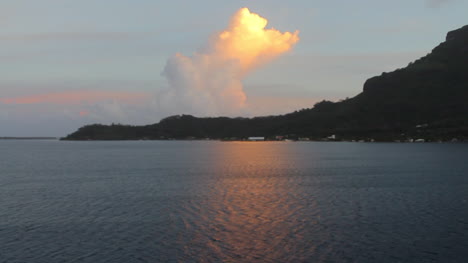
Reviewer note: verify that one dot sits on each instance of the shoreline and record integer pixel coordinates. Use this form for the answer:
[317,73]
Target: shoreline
[284,141]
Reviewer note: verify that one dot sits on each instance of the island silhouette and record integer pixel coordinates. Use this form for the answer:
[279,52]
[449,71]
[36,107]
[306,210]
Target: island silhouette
[425,101]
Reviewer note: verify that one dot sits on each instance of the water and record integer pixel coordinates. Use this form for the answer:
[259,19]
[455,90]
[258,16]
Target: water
[232,202]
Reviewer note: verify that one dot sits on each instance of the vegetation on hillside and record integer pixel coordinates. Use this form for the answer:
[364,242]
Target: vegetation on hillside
[427,99]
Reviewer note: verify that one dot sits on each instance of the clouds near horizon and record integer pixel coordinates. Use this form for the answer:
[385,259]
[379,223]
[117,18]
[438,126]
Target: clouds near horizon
[75,97]
[68,63]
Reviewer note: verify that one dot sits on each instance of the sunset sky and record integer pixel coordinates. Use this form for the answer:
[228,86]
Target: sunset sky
[66,63]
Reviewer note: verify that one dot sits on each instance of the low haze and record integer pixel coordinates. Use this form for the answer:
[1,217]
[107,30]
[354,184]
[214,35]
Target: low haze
[68,63]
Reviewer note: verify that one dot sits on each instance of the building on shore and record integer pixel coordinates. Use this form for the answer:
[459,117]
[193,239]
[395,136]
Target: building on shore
[256,139]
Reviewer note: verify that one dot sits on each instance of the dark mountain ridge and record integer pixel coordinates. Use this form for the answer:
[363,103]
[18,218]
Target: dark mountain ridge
[427,99]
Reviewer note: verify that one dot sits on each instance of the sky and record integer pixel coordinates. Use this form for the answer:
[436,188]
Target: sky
[68,63]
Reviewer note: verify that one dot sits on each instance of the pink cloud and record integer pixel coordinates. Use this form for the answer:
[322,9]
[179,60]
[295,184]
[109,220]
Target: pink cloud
[84,113]
[77,97]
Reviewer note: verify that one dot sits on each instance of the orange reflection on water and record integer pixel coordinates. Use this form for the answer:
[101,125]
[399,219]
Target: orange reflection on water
[253,210]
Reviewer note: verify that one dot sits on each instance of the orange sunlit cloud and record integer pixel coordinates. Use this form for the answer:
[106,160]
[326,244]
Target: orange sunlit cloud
[75,97]
[247,40]
[210,82]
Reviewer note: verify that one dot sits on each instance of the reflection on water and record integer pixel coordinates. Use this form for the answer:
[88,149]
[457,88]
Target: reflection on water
[232,202]
[253,210]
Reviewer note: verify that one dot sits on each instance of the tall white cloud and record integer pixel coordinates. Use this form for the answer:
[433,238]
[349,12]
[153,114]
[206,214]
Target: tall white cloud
[210,81]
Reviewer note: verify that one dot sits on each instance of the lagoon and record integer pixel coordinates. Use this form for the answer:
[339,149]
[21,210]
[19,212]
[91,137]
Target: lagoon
[209,201]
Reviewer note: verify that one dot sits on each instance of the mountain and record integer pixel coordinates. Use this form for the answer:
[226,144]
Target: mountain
[427,99]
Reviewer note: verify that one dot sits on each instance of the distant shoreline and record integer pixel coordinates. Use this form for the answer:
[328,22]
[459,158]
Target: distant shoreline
[285,141]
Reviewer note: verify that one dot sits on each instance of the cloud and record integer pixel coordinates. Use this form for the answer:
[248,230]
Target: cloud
[210,81]
[62,112]
[75,97]
[207,83]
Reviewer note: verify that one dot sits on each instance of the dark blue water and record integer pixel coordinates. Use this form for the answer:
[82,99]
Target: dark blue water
[232,202]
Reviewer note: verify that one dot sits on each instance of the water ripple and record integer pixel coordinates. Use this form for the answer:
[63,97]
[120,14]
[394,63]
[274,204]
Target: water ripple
[232,202]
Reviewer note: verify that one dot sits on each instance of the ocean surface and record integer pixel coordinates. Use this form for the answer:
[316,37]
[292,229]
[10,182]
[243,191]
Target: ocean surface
[189,201]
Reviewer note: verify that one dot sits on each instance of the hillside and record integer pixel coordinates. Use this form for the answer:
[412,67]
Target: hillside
[427,99]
